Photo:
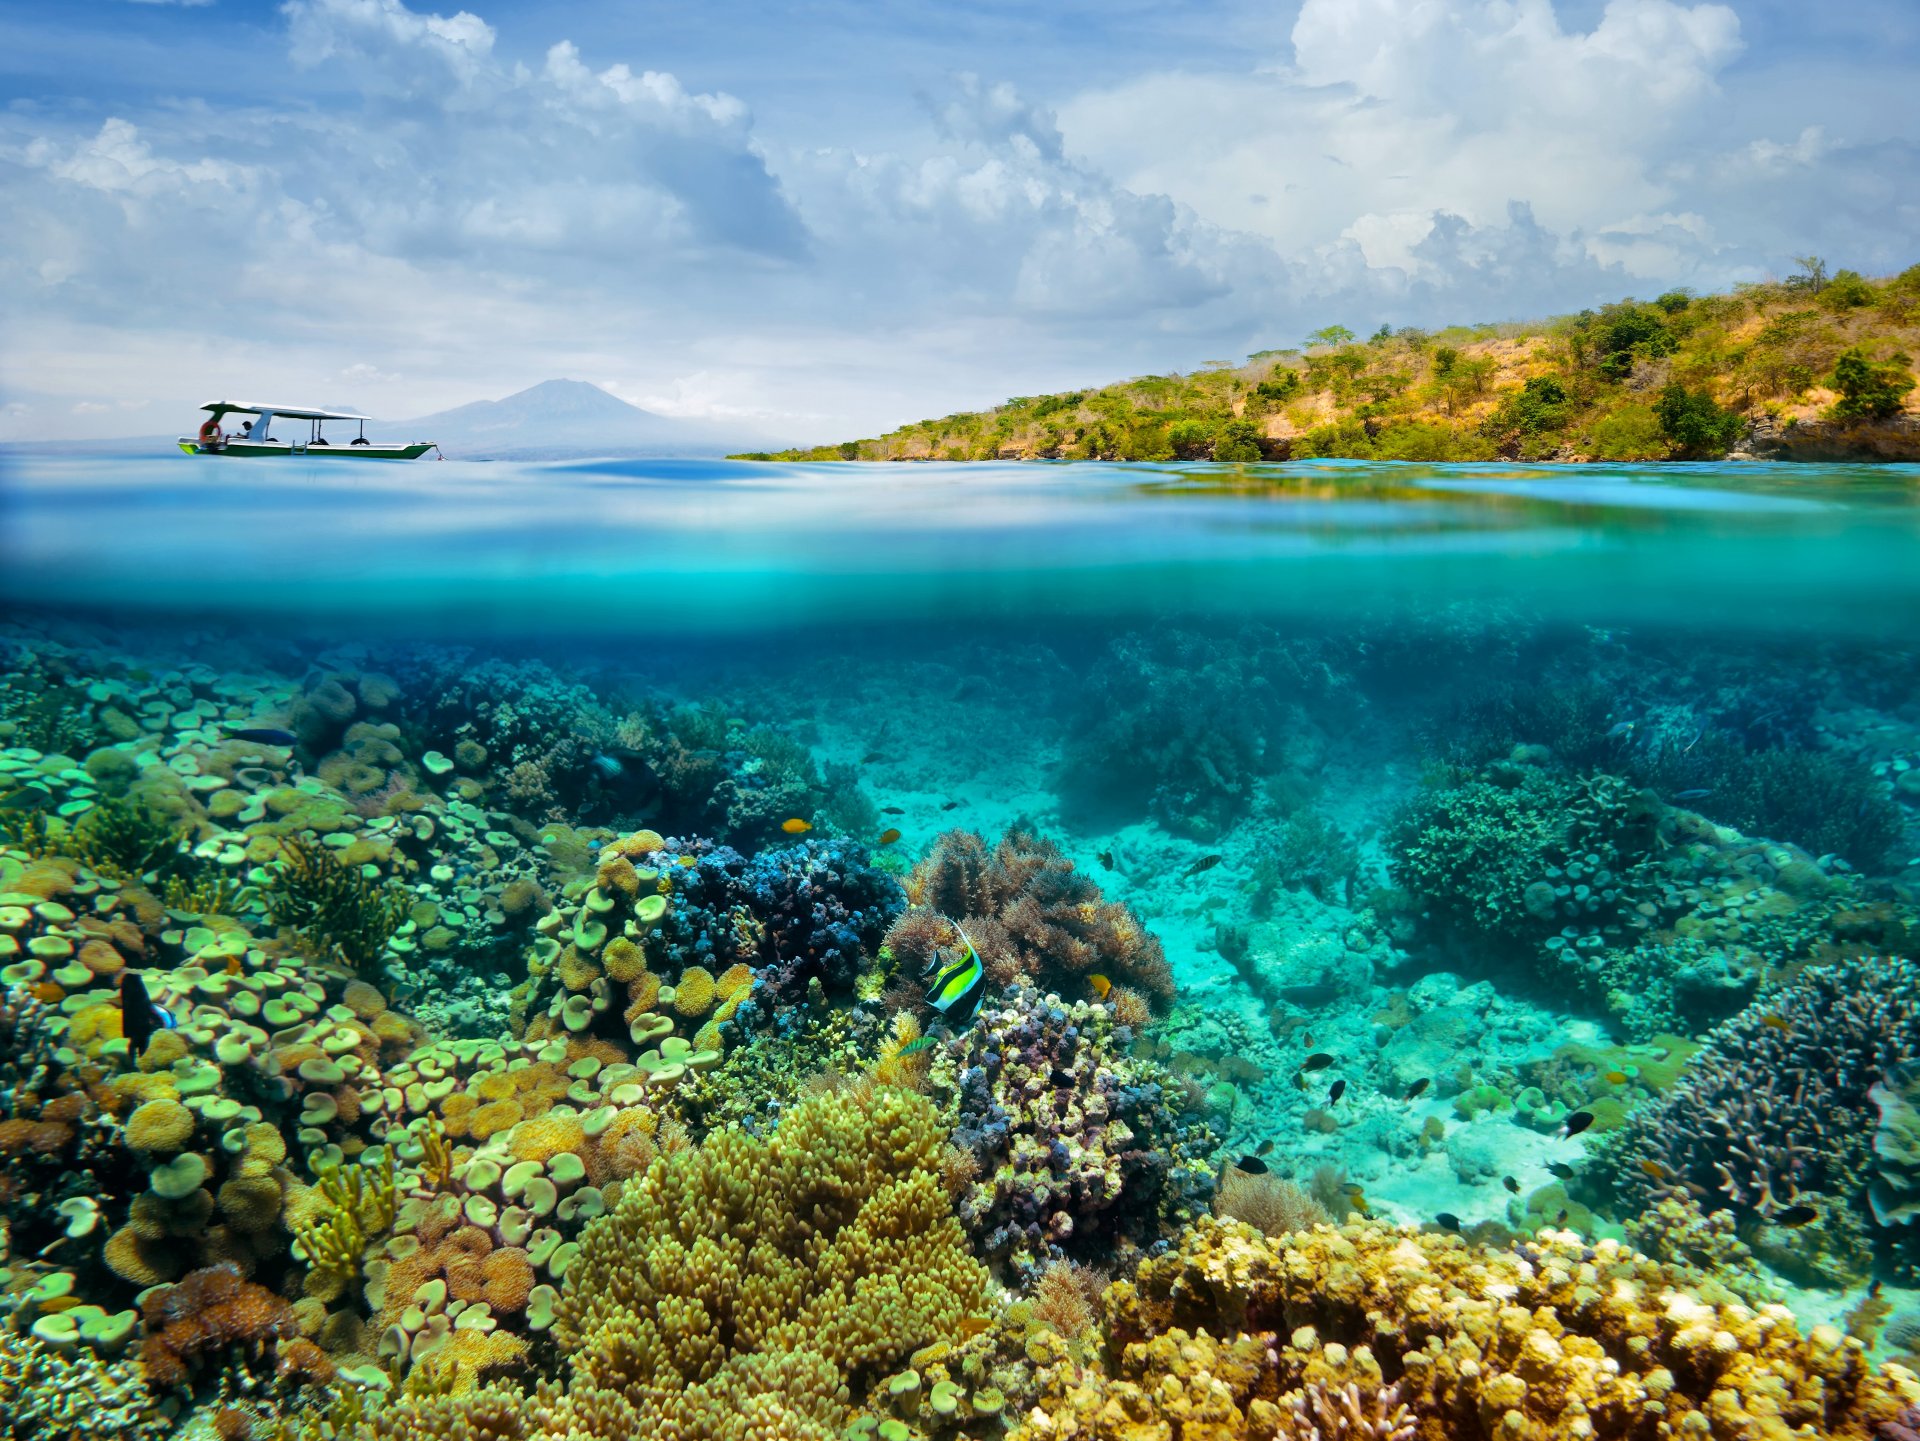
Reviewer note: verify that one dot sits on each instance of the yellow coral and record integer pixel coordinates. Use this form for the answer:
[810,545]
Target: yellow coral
[643,994]
[700,1307]
[618,875]
[734,982]
[693,992]
[575,971]
[1565,1340]
[94,1023]
[160,1127]
[492,1118]
[547,1137]
[624,960]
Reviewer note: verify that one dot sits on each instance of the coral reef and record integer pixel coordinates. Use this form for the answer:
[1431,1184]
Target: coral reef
[1549,1338]
[1029,913]
[1079,1148]
[1777,1108]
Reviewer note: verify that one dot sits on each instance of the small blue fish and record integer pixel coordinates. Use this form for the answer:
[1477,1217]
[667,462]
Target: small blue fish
[1623,729]
[263,736]
[957,991]
[609,766]
[1692,795]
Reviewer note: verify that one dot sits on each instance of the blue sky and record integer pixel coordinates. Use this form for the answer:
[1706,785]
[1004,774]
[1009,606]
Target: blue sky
[823,219]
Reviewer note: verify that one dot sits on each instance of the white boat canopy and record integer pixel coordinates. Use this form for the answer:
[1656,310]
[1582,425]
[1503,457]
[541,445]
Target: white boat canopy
[290,412]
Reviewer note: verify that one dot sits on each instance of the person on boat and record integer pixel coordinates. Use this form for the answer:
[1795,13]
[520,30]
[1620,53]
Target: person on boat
[211,436]
[246,430]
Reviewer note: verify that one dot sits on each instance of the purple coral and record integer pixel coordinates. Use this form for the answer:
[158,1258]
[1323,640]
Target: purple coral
[1078,1146]
[1777,1104]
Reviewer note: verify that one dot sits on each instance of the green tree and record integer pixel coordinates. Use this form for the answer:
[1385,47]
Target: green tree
[1848,290]
[1331,335]
[1237,440]
[1812,274]
[1870,389]
[1539,408]
[1696,426]
[1444,360]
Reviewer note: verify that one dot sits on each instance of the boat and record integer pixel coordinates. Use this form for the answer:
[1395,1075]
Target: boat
[258,437]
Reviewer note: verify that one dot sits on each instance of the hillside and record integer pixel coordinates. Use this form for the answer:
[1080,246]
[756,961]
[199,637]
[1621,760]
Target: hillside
[1816,367]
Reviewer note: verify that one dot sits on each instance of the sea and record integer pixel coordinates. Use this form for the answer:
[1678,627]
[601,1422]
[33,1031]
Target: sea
[1503,795]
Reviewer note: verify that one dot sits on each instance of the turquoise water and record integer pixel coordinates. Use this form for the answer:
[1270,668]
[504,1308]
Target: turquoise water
[1452,848]
[743,547]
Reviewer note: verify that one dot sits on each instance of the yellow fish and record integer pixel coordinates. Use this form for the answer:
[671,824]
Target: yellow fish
[794,826]
[971,1326]
[887,837]
[1655,1170]
[1101,985]
[1618,1078]
[1778,1023]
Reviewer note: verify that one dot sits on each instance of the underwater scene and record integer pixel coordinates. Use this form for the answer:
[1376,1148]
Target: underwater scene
[686,949]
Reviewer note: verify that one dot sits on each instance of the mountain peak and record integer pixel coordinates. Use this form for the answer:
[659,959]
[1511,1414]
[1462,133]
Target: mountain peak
[565,417]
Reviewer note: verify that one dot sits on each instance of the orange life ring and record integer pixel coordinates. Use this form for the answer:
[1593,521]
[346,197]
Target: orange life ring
[210,432]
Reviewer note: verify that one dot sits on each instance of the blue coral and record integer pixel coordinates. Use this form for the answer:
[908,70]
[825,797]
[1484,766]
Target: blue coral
[815,909]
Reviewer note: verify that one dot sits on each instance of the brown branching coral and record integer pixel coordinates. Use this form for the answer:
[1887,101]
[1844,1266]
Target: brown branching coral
[211,1317]
[1029,913]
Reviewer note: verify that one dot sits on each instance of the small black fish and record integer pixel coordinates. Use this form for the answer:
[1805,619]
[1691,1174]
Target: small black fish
[1336,1091]
[1299,1080]
[1417,1087]
[1447,1221]
[950,806]
[140,1018]
[1205,863]
[1265,1148]
[1578,1122]
[263,735]
[1252,1165]
[1874,1289]
[1562,1170]
[1511,1184]
[27,798]
[1106,859]
[1318,1061]
[1561,1219]
[892,811]
[870,757]
[1692,795]
[1795,1215]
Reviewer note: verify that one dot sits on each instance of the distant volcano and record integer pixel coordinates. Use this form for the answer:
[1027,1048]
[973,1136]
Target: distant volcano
[564,418]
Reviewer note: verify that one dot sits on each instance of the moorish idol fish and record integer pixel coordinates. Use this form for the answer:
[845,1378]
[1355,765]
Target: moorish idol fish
[957,991]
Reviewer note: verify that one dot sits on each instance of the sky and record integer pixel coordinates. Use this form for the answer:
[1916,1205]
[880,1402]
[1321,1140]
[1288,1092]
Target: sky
[820,220]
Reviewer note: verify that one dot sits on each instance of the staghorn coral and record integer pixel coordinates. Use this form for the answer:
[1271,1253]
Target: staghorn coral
[49,1396]
[1078,1146]
[1777,1105]
[1029,913]
[1548,1339]
[334,908]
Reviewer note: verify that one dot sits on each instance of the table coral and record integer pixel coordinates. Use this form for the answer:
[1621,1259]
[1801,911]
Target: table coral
[1551,1338]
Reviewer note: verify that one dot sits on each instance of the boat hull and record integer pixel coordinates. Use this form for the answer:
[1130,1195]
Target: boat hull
[245,448]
